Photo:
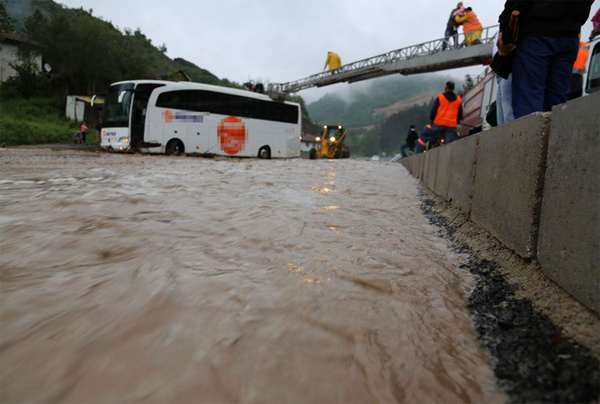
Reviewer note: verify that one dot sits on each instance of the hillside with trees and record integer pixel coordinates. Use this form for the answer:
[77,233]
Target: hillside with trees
[87,53]
[357,107]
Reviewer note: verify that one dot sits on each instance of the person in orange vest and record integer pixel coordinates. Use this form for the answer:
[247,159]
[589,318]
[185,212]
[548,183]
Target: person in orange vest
[333,61]
[579,70]
[446,114]
[472,28]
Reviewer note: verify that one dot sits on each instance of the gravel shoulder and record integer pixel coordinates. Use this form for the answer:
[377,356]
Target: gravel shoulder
[544,345]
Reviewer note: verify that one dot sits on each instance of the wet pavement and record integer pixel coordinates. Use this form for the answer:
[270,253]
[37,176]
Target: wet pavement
[175,279]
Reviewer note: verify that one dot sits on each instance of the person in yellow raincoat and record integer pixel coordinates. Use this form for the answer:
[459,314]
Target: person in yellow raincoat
[472,28]
[333,61]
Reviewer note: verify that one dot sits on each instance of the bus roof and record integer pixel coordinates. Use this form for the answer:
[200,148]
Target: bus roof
[186,85]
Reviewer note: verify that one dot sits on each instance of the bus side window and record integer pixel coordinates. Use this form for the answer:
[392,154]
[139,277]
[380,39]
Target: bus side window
[173,100]
[196,101]
[592,82]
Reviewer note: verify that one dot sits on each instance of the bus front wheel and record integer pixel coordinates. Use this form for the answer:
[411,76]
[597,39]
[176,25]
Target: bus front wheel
[174,147]
[264,153]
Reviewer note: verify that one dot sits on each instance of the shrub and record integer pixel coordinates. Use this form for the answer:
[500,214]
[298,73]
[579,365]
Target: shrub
[33,121]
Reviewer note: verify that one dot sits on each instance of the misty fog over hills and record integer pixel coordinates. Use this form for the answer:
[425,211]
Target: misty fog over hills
[355,105]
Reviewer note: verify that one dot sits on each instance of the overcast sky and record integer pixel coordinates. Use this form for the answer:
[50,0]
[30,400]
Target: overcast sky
[285,40]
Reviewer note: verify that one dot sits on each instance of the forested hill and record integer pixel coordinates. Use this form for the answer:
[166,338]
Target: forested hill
[87,53]
[357,105]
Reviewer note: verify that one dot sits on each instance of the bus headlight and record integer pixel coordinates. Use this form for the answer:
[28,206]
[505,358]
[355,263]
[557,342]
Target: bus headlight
[123,140]
[332,139]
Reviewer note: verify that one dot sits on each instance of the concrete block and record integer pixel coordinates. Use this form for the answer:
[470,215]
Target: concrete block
[508,182]
[432,157]
[442,176]
[414,165]
[461,172]
[569,235]
[405,163]
[420,166]
[411,162]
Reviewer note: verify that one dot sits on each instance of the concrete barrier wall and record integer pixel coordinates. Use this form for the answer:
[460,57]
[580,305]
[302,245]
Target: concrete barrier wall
[569,246]
[508,181]
[535,185]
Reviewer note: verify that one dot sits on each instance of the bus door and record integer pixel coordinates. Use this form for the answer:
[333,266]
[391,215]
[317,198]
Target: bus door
[138,112]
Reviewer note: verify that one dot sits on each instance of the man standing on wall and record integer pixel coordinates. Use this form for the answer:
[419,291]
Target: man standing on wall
[545,51]
[446,114]
[411,139]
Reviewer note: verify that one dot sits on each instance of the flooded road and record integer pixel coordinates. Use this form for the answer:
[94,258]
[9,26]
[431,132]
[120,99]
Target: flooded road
[128,278]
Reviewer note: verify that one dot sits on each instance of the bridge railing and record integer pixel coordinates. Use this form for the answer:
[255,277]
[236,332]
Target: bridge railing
[376,62]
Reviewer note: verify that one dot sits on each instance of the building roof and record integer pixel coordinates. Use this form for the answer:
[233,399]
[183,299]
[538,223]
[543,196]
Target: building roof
[16,37]
[98,101]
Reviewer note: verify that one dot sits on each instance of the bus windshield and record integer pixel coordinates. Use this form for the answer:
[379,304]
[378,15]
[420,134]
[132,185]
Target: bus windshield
[117,105]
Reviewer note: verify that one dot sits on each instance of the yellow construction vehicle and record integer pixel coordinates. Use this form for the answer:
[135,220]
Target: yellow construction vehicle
[332,144]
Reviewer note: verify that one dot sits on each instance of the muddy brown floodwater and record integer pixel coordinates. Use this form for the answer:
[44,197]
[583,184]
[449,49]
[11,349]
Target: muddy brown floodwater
[128,278]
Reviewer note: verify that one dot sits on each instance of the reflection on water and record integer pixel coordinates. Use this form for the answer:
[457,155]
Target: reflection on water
[155,279]
[324,190]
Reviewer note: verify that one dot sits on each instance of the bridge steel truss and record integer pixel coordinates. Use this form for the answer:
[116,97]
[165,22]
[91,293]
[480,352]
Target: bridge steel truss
[422,58]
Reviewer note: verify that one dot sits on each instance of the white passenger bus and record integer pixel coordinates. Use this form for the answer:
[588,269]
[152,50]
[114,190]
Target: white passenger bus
[179,117]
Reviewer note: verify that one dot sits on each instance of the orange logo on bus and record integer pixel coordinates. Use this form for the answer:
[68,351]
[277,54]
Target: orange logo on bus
[168,116]
[232,135]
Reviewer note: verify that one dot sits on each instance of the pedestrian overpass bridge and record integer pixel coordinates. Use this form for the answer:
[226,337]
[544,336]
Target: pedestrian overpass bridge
[422,58]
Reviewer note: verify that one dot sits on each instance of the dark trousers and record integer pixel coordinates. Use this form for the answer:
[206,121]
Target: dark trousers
[435,132]
[83,135]
[449,33]
[406,146]
[542,68]
[576,86]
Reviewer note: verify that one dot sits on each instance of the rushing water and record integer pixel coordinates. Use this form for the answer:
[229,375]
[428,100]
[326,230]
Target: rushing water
[128,278]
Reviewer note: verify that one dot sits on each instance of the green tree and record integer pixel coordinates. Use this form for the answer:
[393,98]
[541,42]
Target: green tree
[28,82]
[6,23]
[35,24]
[85,51]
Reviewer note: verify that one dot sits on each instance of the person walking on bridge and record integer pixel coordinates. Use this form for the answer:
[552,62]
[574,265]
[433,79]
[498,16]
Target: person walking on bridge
[446,114]
[333,61]
[472,28]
